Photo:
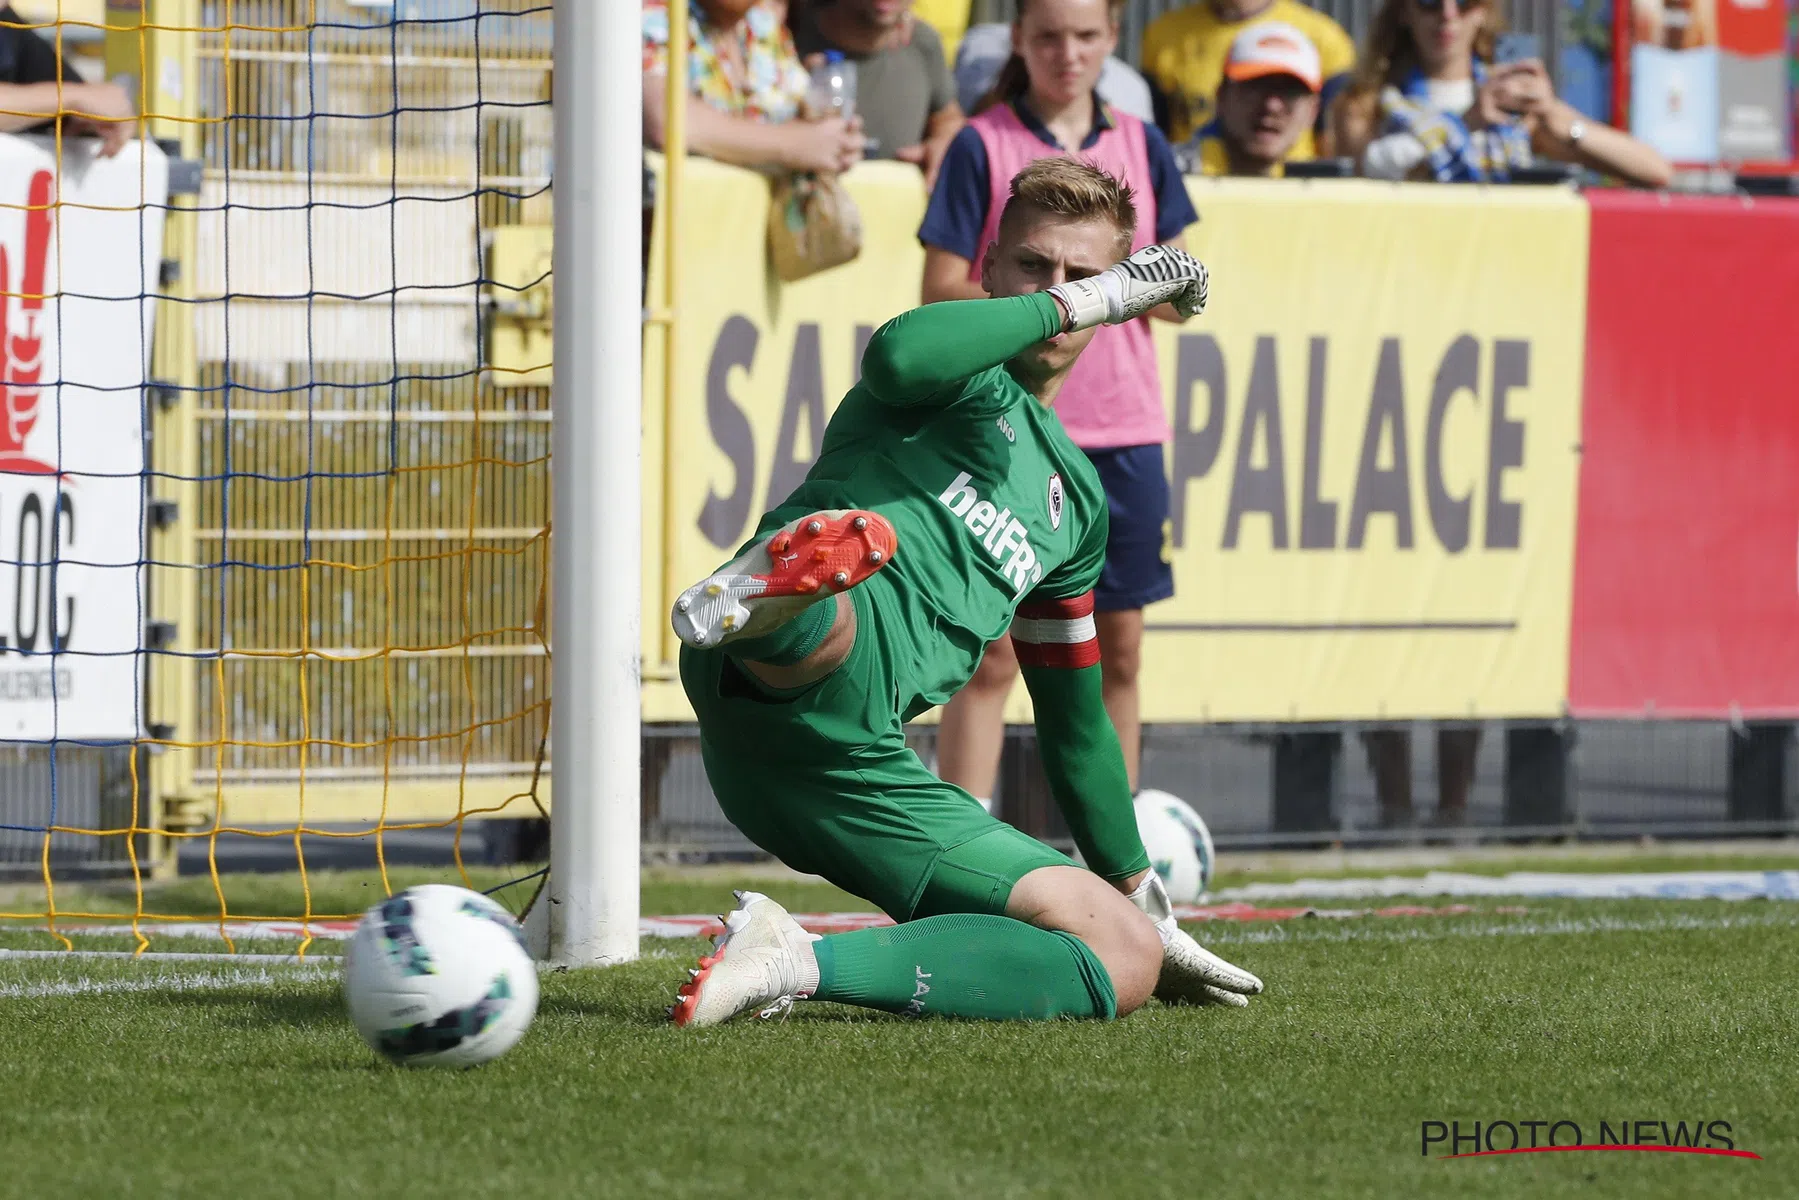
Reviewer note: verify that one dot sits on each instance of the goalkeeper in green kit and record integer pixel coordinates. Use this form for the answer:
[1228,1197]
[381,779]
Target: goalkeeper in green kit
[946,508]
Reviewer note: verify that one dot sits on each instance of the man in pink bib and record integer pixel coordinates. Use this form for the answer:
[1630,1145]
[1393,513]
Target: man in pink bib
[1044,104]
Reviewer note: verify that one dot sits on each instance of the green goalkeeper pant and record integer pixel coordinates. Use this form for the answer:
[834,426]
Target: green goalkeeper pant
[824,781]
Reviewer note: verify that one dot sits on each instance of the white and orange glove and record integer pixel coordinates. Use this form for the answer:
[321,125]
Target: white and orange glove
[1191,974]
[1125,291]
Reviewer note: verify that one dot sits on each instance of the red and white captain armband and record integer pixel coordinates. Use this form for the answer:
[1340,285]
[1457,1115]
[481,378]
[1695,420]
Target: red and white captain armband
[1056,633]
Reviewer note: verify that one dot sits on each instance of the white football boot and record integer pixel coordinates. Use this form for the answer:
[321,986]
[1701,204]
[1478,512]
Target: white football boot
[761,963]
[1191,974]
[783,574]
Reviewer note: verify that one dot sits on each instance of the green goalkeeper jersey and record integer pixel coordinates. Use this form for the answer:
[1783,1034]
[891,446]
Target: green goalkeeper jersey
[991,500]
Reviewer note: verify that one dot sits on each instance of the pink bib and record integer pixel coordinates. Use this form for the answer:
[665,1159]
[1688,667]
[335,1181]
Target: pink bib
[1113,396]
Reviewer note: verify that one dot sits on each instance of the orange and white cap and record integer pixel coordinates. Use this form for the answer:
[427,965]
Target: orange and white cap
[1274,48]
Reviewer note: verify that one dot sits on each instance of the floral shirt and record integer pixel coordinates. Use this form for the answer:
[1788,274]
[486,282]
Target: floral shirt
[750,71]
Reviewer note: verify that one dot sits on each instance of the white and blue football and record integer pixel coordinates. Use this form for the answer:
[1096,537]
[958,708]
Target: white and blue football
[438,976]
[1170,849]
[1195,826]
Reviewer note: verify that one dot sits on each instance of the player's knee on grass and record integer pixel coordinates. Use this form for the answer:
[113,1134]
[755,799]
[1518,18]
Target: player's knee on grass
[1078,902]
[998,669]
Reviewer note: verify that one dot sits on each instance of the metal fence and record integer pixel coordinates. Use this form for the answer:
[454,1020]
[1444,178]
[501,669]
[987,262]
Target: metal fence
[372,526]
[1625,779]
[88,787]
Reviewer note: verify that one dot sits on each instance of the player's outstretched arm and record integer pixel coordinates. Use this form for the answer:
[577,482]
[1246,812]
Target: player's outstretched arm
[1085,766]
[1058,650]
[925,355]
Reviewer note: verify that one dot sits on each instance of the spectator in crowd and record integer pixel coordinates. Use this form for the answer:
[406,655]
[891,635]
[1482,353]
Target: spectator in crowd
[987,48]
[1044,103]
[949,18]
[747,89]
[36,86]
[903,91]
[1426,103]
[1184,52]
[1267,102]
[1390,762]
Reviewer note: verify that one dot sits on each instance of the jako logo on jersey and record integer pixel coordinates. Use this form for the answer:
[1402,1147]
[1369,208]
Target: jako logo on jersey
[1002,535]
[1055,502]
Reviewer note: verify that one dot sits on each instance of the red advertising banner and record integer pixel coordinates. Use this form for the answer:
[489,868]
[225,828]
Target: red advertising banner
[1686,586]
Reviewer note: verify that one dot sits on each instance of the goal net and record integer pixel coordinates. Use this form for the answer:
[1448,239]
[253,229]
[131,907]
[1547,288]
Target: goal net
[274,455]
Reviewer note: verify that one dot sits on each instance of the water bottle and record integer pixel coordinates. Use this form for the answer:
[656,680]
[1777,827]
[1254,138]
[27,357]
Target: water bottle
[834,87]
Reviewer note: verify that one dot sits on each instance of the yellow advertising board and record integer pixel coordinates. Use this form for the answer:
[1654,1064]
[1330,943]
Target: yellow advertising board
[1377,428]
[1375,450]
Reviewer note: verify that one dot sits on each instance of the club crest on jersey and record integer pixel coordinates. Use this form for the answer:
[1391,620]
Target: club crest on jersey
[1002,535]
[1055,501]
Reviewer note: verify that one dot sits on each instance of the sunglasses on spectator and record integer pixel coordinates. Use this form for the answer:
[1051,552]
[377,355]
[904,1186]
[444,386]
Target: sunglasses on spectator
[1437,5]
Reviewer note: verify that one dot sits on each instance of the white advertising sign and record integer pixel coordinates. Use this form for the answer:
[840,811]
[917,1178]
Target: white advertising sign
[80,252]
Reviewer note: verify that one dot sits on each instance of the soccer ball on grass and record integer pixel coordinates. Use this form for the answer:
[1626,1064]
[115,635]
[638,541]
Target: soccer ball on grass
[1195,826]
[1181,846]
[1170,850]
[438,976]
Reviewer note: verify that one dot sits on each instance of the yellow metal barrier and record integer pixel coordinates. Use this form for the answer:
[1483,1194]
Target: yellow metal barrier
[660,649]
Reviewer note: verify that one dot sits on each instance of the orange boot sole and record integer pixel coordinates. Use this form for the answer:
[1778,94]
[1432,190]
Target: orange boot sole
[815,556]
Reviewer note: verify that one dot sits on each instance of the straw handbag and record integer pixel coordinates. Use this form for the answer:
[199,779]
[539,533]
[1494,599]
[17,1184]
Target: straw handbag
[813,225]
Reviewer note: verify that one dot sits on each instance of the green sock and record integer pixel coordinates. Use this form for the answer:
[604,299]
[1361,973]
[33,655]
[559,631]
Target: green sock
[790,643]
[972,965]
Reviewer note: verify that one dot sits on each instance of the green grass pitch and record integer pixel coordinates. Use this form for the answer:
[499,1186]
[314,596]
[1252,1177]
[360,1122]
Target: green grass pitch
[207,1078]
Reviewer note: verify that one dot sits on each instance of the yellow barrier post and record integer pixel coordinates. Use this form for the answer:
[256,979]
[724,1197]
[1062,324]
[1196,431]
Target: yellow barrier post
[674,155]
[156,46]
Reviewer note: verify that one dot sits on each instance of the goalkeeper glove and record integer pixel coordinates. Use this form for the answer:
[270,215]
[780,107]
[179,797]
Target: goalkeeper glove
[1124,291]
[1190,973]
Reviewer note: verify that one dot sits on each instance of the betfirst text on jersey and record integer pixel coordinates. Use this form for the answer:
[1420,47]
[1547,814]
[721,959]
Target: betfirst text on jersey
[1003,536]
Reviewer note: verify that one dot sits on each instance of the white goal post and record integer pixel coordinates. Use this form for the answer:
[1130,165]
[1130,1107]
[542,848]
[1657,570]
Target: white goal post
[591,914]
